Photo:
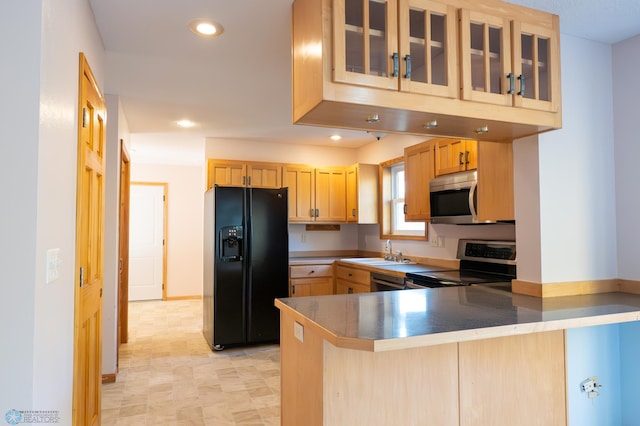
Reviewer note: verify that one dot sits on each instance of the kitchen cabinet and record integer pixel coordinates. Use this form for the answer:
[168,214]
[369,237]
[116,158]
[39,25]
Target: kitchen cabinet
[245,174]
[511,62]
[352,280]
[316,194]
[493,161]
[406,45]
[362,193]
[419,166]
[395,66]
[454,156]
[310,280]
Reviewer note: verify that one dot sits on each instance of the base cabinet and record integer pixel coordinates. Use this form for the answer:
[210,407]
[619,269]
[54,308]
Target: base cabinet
[352,280]
[310,280]
[514,380]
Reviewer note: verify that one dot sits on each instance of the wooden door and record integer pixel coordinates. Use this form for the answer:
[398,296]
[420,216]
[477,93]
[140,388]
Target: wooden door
[301,183]
[352,194]
[331,199]
[365,34]
[123,250]
[452,156]
[485,52]
[536,65]
[427,34]
[419,161]
[264,175]
[87,362]
[226,173]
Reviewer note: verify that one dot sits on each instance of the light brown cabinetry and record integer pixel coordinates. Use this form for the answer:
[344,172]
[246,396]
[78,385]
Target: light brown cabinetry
[419,162]
[354,67]
[316,194]
[510,61]
[493,160]
[362,193]
[241,173]
[310,280]
[454,156]
[352,280]
[406,45]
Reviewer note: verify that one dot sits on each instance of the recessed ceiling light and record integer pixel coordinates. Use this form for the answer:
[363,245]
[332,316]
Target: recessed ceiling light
[205,28]
[186,123]
[335,137]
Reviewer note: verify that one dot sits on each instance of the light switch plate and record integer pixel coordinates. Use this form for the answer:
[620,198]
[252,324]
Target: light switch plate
[53,265]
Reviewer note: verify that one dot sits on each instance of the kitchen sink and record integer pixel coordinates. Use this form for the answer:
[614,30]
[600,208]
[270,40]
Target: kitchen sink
[376,261]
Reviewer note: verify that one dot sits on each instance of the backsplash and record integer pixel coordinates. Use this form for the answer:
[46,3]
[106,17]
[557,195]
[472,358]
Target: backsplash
[367,238]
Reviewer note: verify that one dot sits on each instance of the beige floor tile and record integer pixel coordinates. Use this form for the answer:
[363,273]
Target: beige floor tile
[169,376]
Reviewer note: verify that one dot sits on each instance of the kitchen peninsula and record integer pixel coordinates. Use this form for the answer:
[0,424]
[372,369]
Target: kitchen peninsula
[453,356]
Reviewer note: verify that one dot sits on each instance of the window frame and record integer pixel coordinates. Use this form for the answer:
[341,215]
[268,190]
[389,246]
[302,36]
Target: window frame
[385,204]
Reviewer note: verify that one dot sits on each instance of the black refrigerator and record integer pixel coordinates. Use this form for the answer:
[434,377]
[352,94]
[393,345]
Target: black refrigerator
[246,265]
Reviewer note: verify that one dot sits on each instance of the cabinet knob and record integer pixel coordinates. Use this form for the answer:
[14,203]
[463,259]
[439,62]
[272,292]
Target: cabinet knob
[350,274]
[350,290]
[312,272]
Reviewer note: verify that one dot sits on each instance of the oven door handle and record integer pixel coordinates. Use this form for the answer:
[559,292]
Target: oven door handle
[387,283]
[410,284]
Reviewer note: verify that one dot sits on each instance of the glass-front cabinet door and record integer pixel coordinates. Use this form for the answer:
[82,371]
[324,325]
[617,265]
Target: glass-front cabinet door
[486,58]
[508,62]
[537,67]
[366,43]
[428,51]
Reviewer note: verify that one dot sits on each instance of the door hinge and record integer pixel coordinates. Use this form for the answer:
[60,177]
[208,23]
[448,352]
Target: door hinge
[85,117]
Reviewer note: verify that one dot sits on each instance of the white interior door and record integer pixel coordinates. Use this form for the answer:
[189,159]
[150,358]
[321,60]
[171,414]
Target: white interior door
[146,242]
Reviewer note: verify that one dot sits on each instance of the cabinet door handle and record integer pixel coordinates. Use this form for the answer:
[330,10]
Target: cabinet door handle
[317,212]
[407,58]
[522,86]
[353,212]
[293,289]
[466,157]
[313,213]
[405,209]
[350,290]
[249,181]
[244,180]
[396,64]
[460,158]
[512,84]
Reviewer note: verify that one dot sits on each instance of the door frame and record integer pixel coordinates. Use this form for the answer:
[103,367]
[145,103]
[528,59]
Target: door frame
[165,191]
[123,250]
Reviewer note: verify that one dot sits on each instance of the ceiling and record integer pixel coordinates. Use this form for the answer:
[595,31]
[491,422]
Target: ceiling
[237,86]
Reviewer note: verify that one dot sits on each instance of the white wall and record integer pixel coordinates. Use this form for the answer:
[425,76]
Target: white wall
[185,207]
[19,140]
[40,43]
[626,92]
[576,171]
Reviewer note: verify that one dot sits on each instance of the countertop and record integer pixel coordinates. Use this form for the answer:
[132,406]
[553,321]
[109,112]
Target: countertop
[394,320]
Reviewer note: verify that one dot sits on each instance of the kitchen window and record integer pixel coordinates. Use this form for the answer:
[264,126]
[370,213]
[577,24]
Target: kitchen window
[392,204]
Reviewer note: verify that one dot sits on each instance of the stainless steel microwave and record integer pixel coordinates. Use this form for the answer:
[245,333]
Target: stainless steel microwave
[454,198]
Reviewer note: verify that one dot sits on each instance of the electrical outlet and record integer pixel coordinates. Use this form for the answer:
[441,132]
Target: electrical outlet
[590,386]
[441,242]
[303,238]
[298,331]
[53,265]
[435,240]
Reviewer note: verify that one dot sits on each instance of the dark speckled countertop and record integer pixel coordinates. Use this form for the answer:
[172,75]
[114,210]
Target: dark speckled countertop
[413,318]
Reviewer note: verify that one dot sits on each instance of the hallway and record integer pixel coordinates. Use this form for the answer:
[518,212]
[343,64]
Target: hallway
[169,376]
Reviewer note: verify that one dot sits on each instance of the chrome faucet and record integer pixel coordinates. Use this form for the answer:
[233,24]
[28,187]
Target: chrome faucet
[388,250]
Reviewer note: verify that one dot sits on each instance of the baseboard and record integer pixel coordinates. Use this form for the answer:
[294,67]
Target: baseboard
[195,297]
[573,288]
[108,378]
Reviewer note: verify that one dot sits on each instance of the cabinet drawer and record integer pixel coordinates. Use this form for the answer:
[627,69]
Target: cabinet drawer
[310,271]
[348,287]
[355,275]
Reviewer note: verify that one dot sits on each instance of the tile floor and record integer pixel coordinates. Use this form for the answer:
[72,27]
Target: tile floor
[169,376]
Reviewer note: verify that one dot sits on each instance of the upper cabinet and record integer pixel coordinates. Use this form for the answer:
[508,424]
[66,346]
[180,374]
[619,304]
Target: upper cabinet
[454,156]
[426,67]
[419,161]
[316,194]
[242,173]
[406,45]
[362,193]
[510,62]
